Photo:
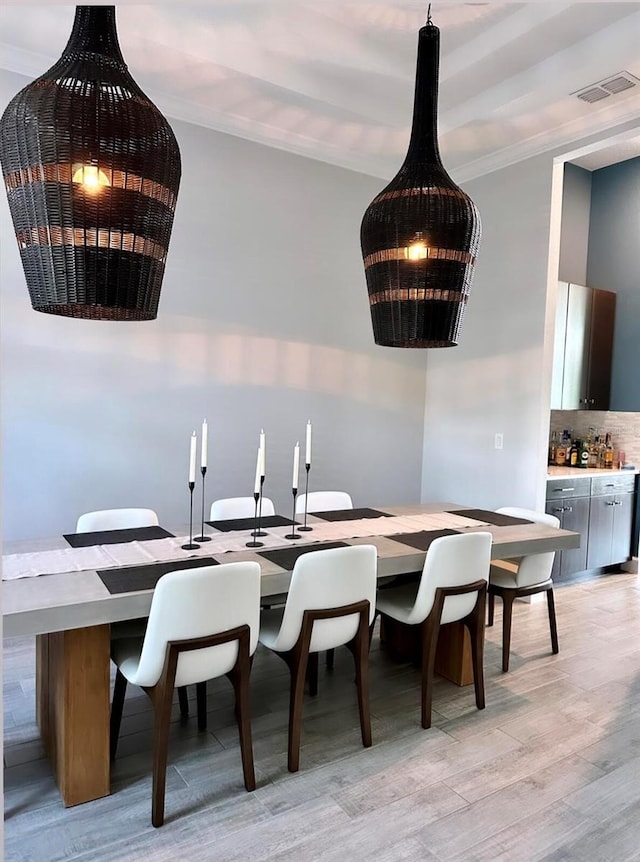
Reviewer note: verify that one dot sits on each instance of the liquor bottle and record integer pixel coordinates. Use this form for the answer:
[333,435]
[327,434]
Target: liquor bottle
[561,454]
[573,453]
[585,453]
[608,453]
[553,445]
[593,451]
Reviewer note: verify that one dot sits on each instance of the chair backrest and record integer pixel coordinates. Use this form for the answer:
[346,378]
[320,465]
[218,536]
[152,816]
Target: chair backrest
[192,603]
[329,579]
[452,561]
[116,519]
[238,507]
[534,568]
[324,501]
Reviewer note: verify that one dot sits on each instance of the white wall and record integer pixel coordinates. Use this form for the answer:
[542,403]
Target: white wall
[263,322]
[574,230]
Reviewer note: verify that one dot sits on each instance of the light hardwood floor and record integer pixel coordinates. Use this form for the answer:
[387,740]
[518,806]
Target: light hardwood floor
[549,771]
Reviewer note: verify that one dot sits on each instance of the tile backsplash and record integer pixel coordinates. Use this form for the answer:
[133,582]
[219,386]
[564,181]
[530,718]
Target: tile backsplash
[623,427]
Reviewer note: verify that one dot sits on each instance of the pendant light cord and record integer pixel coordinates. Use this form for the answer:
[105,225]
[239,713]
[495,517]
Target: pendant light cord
[429,21]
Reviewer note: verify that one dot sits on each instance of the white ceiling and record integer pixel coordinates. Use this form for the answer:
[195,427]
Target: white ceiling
[334,80]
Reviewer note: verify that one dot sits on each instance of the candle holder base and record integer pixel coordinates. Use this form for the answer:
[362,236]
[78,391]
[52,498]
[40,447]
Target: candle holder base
[254,544]
[258,533]
[202,538]
[190,546]
[305,529]
[293,536]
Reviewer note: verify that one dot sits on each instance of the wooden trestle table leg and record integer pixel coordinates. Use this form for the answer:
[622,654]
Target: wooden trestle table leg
[72,709]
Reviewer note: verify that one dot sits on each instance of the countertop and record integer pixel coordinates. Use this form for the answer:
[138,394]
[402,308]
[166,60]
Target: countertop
[574,472]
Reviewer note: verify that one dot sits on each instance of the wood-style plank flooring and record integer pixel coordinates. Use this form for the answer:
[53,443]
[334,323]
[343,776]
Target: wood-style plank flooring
[549,771]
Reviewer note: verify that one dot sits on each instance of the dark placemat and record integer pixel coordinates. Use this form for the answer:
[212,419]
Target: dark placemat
[130,579]
[349,514]
[249,523]
[286,557]
[114,537]
[423,539]
[494,518]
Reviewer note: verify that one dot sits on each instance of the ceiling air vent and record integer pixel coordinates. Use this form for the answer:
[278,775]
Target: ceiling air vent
[611,86]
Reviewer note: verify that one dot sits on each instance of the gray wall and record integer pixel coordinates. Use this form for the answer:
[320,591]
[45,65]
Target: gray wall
[498,379]
[494,381]
[614,236]
[263,322]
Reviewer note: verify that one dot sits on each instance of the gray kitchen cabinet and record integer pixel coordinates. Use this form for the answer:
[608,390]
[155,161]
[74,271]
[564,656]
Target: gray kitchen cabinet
[583,348]
[610,521]
[568,500]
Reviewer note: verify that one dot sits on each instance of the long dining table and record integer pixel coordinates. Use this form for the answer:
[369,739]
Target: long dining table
[71,612]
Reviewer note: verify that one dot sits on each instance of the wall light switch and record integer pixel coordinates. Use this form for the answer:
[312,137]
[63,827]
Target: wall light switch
[498,441]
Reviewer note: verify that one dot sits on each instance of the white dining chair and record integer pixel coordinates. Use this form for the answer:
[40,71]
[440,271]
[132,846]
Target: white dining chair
[520,577]
[203,624]
[239,507]
[116,519]
[323,501]
[331,602]
[452,588]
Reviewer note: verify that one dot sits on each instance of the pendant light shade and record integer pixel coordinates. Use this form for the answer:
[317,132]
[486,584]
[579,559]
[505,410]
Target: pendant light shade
[420,235]
[92,171]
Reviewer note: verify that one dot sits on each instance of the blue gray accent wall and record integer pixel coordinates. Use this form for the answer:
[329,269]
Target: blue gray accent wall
[612,264]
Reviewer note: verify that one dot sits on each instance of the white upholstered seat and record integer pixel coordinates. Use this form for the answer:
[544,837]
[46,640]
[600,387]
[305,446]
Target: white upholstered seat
[239,507]
[203,624]
[324,501]
[331,602]
[521,577]
[116,519]
[452,588]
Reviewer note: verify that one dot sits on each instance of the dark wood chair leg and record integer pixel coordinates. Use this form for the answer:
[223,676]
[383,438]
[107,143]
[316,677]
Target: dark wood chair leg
[508,597]
[239,676]
[475,624]
[331,654]
[492,605]
[162,698]
[201,701]
[430,629]
[552,621]
[312,673]
[119,690]
[298,674]
[183,700]
[361,658]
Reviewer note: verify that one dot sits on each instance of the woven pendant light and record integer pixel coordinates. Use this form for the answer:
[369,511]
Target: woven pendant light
[92,171]
[420,235]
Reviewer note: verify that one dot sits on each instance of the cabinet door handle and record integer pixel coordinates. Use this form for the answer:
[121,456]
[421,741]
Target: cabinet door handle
[559,509]
[568,508]
[609,503]
[618,503]
[610,485]
[560,490]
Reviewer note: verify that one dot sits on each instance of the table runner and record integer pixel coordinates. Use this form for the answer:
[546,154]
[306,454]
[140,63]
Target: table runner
[231,524]
[495,518]
[286,557]
[423,539]
[163,550]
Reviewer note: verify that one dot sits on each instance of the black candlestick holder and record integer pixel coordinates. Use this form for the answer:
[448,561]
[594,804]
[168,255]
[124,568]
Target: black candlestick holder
[202,537]
[293,534]
[304,527]
[192,545]
[258,531]
[253,543]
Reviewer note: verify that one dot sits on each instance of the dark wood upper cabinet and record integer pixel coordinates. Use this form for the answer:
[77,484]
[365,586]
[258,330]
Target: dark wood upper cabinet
[583,348]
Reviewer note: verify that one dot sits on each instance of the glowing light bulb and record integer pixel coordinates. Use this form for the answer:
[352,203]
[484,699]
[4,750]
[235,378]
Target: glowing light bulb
[90,176]
[417,251]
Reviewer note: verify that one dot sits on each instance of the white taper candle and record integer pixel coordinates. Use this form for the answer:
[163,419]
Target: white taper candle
[263,452]
[192,458]
[296,465]
[307,457]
